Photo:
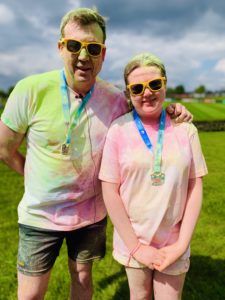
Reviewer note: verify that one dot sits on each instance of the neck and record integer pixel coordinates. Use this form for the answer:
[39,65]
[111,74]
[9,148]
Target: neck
[150,119]
[79,87]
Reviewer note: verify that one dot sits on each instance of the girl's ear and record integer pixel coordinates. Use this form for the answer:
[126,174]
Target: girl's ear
[127,95]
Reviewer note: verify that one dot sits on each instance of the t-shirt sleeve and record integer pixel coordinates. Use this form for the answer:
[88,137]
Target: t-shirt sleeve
[15,114]
[198,164]
[110,171]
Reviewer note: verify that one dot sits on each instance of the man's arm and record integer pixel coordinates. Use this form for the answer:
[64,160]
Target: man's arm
[179,112]
[9,144]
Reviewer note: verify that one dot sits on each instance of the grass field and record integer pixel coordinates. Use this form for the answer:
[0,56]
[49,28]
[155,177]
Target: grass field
[206,111]
[206,277]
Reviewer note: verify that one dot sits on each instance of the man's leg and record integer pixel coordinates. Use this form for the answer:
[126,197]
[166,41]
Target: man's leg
[84,246]
[32,287]
[38,250]
[81,287]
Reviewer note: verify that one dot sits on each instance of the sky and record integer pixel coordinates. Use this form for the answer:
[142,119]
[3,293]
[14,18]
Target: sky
[188,35]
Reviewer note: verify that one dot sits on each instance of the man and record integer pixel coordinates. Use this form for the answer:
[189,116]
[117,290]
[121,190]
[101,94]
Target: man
[65,115]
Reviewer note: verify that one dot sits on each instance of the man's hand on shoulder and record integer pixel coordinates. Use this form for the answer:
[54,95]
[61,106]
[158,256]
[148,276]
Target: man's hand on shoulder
[179,112]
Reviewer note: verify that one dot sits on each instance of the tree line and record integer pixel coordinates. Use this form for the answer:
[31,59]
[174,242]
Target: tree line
[5,94]
[180,89]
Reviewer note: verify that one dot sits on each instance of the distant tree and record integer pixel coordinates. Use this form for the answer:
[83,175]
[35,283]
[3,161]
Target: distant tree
[200,89]
[170,91]
[3,94]
[10,90]
[3,97]
[179,89]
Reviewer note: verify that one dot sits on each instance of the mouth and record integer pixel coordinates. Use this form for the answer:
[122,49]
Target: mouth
[149,101]
[83,69]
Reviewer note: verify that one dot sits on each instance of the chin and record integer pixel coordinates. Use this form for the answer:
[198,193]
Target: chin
[82,79]
[81,75]
[151,112]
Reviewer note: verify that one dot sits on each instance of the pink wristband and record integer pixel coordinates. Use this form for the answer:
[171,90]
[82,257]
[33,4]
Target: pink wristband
[133,252]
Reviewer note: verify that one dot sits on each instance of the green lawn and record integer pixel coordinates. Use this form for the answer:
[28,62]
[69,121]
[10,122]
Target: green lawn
[206,277]
[206,111]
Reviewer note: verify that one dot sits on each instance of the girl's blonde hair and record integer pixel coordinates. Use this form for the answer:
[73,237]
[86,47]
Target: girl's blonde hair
[141,60]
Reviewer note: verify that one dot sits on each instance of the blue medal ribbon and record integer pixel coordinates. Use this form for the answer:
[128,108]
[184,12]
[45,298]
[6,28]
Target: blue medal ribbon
[157,174]
[142,131]
[66,111]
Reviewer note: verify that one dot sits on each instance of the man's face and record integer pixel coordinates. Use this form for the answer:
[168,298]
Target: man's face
[81,68]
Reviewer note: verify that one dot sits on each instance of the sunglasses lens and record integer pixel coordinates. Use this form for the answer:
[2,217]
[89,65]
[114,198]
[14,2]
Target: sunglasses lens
[136,89]
[73,46]
[156,84]
[94,49]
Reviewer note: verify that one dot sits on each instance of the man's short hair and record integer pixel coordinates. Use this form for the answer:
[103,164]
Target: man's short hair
[83,16]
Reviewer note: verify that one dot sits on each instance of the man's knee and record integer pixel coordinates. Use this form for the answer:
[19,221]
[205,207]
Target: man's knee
[81,273]
[32,287]
[29,294]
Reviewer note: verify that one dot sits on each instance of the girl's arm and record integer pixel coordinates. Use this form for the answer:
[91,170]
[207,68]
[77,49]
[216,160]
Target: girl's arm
[189,221]
[143,253]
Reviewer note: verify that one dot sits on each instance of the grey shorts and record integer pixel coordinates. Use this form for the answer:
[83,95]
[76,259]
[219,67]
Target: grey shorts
[39,248]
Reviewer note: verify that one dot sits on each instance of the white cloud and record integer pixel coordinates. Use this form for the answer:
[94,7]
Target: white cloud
[75,4]
[220,66]
[187,59]
[6,14]
[29,60]
[35,21]
[193,53]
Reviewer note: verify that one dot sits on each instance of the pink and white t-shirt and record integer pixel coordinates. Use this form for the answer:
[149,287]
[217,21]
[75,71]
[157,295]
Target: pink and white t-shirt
[155,212]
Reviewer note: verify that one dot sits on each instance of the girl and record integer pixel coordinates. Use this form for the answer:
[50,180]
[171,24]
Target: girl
[152,186]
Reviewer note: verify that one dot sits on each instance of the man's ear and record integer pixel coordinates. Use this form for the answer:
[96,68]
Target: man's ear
[103,53]
[60,48]
[60,45]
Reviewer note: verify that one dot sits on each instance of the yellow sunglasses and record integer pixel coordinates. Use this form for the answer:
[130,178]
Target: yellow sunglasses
[137,89]
[75,46]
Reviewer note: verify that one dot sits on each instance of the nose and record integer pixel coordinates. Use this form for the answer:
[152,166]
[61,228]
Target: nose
[147,91]
[83,54]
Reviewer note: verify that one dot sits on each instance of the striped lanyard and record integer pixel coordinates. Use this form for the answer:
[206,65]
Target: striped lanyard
[157,176]
[66,111]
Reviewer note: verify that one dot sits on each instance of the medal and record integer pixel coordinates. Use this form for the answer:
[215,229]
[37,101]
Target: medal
[157,178]
[65,149]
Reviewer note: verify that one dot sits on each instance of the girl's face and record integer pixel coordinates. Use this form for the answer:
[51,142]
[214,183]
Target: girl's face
[149,104]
